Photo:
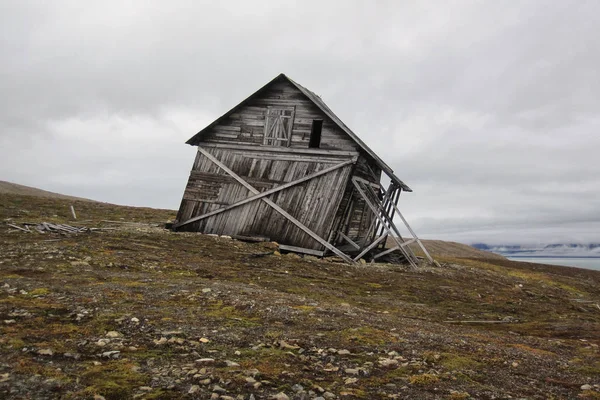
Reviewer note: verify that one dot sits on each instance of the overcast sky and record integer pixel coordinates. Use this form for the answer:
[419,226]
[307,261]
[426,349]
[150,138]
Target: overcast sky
[489,110]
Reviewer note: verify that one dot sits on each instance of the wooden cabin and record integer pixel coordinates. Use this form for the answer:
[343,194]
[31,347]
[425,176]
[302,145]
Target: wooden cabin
[282,166]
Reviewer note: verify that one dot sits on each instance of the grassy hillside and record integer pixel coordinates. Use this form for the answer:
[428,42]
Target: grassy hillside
[138,311]
[440,248]
[16,189]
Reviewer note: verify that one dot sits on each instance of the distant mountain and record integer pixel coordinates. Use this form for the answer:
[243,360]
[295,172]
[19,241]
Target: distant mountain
[544,250]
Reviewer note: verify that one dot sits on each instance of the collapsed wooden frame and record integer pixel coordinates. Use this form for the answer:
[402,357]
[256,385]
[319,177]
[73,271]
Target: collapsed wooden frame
[383,204]
[380,204]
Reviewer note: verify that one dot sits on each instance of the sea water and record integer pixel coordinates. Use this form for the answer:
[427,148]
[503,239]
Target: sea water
[580,262]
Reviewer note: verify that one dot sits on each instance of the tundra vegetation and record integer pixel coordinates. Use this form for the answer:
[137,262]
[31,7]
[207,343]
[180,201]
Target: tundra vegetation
[137,311]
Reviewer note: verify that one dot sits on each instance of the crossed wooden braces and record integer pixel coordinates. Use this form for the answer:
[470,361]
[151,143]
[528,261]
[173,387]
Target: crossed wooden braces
[382,226]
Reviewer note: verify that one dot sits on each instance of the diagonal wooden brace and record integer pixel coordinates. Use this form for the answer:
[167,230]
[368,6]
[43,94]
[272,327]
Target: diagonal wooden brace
[265,193]
[383,221]
[280,210]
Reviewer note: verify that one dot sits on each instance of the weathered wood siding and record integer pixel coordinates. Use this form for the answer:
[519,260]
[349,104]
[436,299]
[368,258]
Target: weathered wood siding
[354,218]
[247,124]
[314,203]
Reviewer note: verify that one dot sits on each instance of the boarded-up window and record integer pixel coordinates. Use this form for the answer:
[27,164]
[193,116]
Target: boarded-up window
[278,126]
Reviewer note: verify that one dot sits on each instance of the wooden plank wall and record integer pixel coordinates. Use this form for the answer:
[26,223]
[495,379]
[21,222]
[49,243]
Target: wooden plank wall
[353,218]
[326,204]
[314,203]
[247,124]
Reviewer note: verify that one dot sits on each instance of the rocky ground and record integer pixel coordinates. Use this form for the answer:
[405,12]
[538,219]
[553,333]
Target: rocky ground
[136,311]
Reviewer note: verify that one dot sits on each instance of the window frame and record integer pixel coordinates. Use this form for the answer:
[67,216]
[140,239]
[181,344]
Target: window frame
[271,111]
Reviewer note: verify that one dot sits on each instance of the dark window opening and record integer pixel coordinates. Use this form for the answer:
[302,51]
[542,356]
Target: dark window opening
[315,134]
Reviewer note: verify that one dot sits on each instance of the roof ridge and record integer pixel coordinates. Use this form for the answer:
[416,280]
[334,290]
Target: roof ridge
[318,101]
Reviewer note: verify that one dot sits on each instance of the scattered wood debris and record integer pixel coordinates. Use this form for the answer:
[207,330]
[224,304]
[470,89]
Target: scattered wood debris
[44,227]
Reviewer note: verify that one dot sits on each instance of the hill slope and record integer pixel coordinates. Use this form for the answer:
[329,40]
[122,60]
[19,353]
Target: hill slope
[14,188]
[136,310]
[440,248]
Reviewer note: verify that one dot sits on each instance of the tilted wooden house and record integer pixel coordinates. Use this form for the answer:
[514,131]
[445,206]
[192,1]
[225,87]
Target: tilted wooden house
[281,165]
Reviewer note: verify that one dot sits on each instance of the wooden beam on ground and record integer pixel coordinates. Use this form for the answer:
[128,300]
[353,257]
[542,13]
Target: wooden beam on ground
[252,239]
[18,227]
[301,250]
[260,195]
[280,210]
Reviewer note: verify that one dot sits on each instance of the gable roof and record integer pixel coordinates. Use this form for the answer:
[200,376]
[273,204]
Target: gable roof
[317,101]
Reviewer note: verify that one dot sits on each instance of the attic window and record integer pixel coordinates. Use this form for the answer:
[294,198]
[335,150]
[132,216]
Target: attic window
[315,134]
[278,126]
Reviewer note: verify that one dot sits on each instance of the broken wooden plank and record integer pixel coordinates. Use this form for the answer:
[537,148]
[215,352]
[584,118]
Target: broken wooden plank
[17,227]
[44,227]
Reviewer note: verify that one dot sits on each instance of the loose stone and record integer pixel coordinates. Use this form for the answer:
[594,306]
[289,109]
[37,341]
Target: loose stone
[45,352]
[205,361]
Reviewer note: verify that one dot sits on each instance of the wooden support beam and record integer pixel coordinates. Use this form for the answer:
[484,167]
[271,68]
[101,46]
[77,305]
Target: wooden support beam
[366,182]
[408,242]
[265,193]
[382,219]
[280,210]
[413,234]
[350,241]
[374,227]
[371,246]
[373,208]
[394,200]
[388,197]
[388,251]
